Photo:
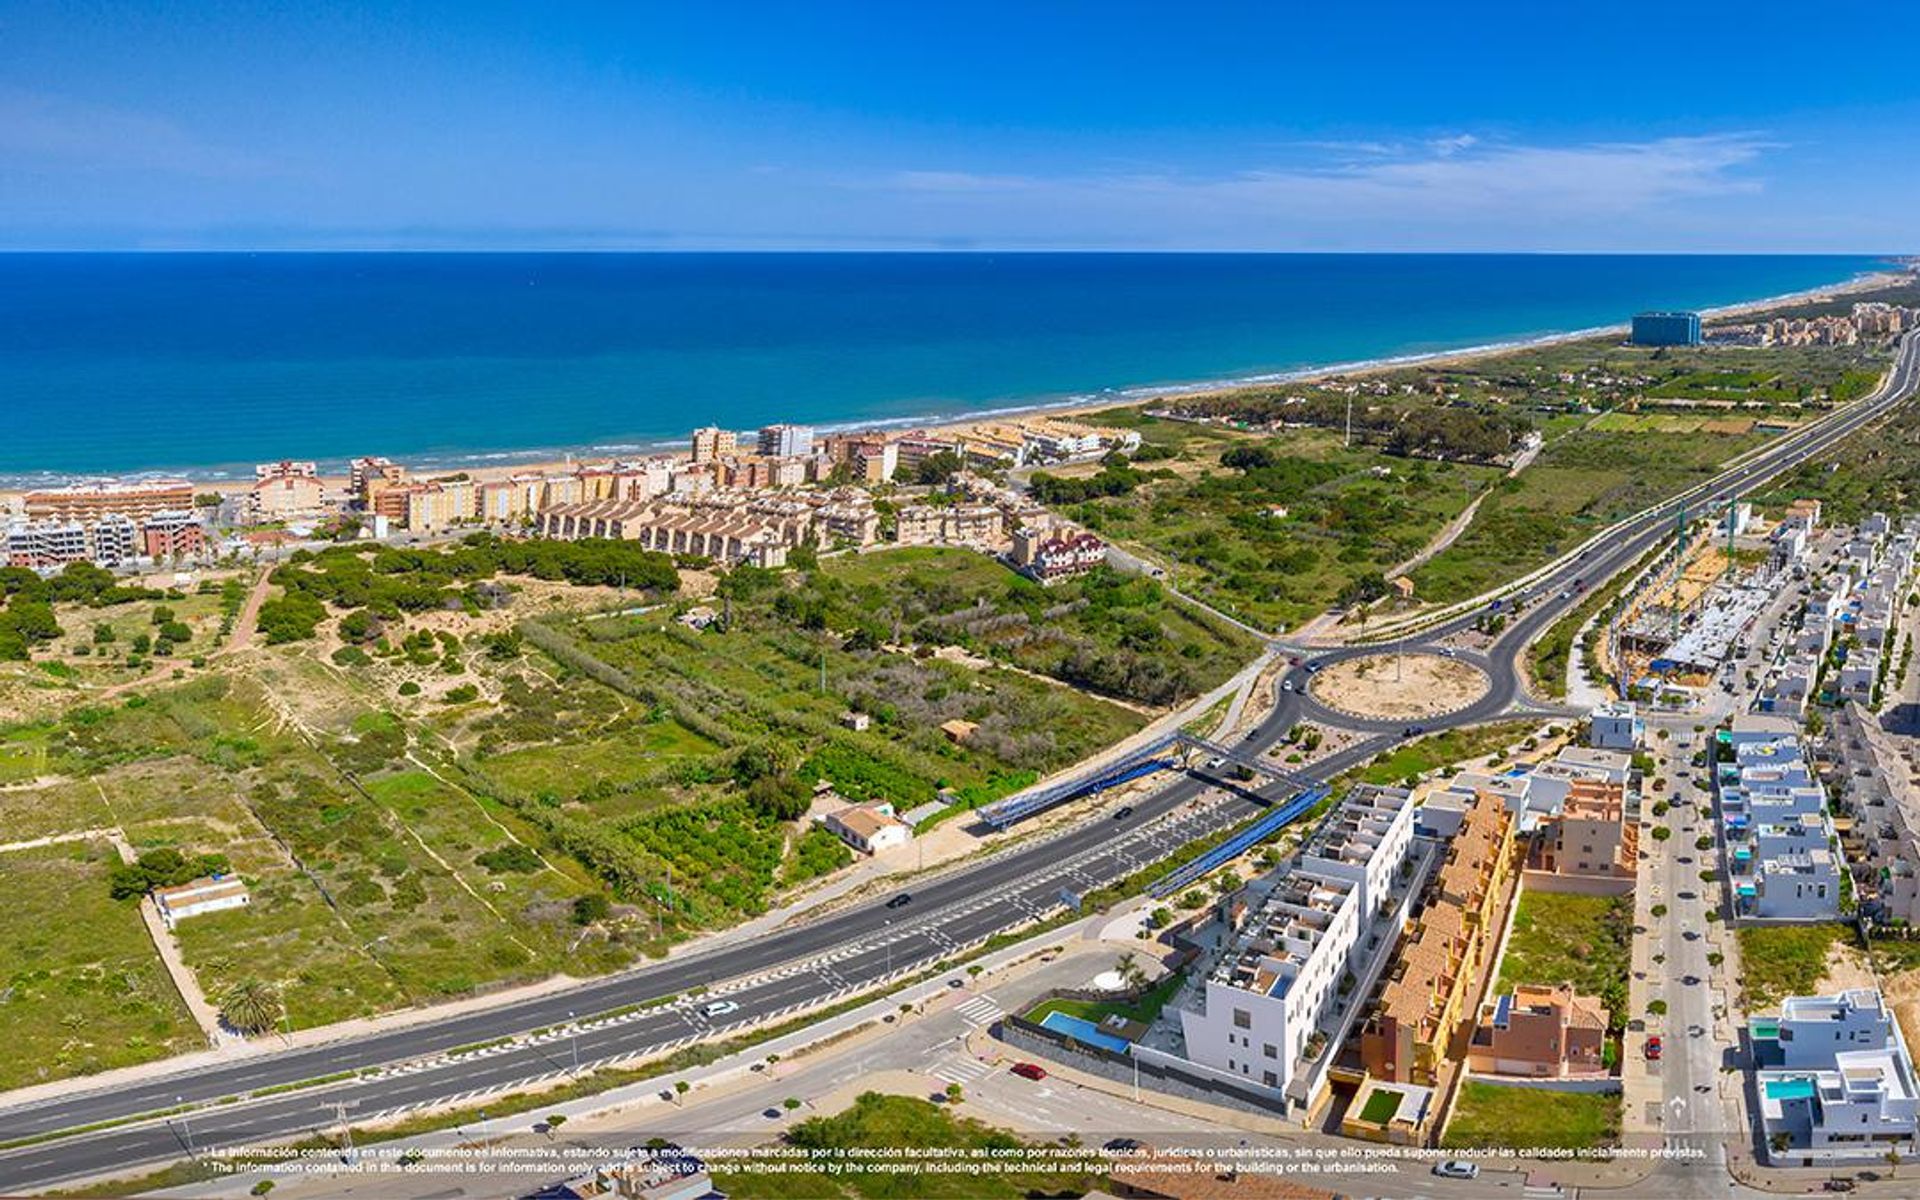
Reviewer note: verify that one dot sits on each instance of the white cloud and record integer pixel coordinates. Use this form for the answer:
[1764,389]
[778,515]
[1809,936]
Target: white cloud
[45,130]
[1458,182]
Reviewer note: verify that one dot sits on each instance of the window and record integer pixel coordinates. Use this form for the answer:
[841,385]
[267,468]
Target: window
[1270,1079]
[1242,1019]
[1270,1050]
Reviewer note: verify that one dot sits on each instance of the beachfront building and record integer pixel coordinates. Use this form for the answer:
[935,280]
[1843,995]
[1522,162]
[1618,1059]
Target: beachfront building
[786,441]
[1311,931]
[91,501]
[1666,329]
[106,541]
[1834,1081]
[173,536]
[711,444]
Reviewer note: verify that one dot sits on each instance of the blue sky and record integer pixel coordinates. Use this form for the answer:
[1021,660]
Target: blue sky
[1628,127]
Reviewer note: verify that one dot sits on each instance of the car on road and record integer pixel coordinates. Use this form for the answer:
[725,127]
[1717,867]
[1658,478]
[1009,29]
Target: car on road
[1456,1168]
[1689,895]
[1653,1048]
[1123,812]
[1123,1144]
[1838,1185]
[1288,686]
[771,1114]
[901,901]
[719,1008]
[1690,980]
[1027,1070]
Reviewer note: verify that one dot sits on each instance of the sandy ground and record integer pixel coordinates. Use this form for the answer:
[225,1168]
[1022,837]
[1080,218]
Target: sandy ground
[1399,685]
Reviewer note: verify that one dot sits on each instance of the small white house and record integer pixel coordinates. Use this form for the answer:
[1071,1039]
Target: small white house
[214,893]
[868,828]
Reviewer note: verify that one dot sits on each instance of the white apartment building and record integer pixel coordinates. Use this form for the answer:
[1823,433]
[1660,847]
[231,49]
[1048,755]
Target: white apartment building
[1298,942]
[1616,725]
[1778,836]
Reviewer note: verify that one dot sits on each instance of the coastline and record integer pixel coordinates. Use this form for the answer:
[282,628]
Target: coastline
[503,464]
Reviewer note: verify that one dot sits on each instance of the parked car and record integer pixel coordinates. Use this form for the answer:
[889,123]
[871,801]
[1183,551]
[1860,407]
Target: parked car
[1456,1168]
[1028,1070]
[1653,1048]
[1123,812]
[719,1008]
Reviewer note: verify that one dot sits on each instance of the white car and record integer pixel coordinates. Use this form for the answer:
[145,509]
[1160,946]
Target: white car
[1455,1168]
[719,1008]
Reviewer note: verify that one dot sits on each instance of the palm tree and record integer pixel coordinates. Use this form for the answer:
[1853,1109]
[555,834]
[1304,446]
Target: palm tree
[1129,970]
[1893,1161]
[252,1006]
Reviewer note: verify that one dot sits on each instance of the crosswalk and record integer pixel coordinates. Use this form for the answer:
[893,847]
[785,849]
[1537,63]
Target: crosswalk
[979,1011]
[963,1071]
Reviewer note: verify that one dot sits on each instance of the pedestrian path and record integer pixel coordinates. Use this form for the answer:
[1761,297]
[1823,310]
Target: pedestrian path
[981,1010]
[963,1071]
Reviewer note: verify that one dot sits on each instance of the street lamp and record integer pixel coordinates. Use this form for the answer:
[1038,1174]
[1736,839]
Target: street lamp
[186,1126]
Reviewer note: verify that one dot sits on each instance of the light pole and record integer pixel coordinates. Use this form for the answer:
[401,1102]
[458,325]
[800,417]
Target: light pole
[186,1126]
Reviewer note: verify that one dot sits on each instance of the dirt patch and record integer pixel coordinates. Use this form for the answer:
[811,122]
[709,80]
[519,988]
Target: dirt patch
[1399,685]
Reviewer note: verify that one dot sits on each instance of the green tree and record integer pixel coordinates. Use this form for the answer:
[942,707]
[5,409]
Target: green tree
[251,1006]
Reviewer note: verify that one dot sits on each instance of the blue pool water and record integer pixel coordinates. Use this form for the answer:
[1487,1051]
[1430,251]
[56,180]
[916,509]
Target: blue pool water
[1085,1031]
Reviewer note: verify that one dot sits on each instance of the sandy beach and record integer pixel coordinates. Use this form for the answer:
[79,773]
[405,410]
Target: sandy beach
[492,468]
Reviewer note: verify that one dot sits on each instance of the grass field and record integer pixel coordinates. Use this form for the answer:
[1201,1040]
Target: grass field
[1145,1008]
[1437,750]
[1486,1115]
[1562,938]
[1787,960]
[81,987]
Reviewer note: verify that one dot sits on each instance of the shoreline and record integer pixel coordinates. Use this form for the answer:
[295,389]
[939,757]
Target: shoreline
[502,464]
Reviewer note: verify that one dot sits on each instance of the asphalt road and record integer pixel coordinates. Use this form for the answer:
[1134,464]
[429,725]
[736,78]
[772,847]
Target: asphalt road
[832,956]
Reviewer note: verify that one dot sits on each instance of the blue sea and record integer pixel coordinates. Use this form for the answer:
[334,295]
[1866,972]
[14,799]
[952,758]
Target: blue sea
[206,363]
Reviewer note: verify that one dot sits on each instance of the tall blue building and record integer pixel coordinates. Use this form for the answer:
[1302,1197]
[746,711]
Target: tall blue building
[1666,329]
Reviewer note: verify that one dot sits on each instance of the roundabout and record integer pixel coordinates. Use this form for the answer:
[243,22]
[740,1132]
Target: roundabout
[1399,686]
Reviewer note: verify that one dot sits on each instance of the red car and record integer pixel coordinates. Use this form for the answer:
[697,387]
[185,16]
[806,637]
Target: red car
[1029,1071]
[1653,1047]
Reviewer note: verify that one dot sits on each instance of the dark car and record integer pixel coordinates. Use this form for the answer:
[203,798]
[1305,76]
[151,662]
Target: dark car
[901,901]
[1027,1070]
[1123,812]
[1120,1145]
[771,1114]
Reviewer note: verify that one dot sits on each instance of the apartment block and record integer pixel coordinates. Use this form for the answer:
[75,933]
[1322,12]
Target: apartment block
[1304,937]
[1777,833]
[1589,846]
[786,441]
[1418,1020]
[711,444]
[980,526]
[1616,725]
[90,502]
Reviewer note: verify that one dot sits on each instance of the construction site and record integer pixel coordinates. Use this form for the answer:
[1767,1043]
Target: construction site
[1675,629]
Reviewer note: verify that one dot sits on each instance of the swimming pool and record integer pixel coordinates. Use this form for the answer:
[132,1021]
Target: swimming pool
[1085,1031]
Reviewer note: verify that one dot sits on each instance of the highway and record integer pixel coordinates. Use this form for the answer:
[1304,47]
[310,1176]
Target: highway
[836,955]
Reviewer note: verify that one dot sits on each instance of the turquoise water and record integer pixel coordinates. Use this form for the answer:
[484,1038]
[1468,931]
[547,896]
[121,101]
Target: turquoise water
[210,362]
[1789,1089]
[1085,1031]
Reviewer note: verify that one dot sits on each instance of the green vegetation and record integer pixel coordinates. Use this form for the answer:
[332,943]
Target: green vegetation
[1144,1008]
[901,1121]
[1487,1115]
[1583,940]
[83,988]
[1434,751]
[1275,530]
[1786,960]
[383,582]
